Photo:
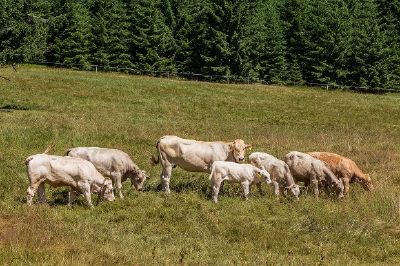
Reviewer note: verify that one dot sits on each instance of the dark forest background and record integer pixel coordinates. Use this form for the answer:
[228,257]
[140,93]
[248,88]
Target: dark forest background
[344,42]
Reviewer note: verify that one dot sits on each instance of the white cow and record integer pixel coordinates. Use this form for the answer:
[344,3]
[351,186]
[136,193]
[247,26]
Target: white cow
[57,171]
[309,170]
[194,156]
[113,163]
[279,171]
[246,174]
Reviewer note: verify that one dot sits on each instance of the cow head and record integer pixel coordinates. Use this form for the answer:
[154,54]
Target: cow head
[338,188]
[238,149]
[294,190]
[264,174]
[137,179]
[366,182]
[107,192]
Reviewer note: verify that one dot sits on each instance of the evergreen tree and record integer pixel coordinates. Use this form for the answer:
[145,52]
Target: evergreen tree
[152,47]
[264,44]
[110,38]
[73,42]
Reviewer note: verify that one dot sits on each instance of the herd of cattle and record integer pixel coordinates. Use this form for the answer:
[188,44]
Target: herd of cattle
[84,169]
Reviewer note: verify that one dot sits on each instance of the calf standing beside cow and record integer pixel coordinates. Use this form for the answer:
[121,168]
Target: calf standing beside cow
[84,167]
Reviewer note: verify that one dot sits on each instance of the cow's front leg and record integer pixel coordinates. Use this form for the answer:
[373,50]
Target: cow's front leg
[314,184]
[41,193]
[346,184]
[88,196]
[246,189]
[116,178]
[71,197]
[165,176]
[275,186]
[215,189]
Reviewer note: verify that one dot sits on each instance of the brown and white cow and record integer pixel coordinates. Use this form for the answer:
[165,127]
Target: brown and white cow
[194,156]
[345,169]
[279,171]
[307,169]
[80,175]
[112,163]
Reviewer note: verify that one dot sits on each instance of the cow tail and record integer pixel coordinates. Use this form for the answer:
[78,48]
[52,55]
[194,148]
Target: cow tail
[51,146]
[155,159]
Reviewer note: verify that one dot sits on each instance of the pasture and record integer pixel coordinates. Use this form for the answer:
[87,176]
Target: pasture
[72,108]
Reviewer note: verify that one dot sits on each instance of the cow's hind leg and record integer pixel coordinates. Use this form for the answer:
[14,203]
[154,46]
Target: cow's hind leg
[31,191]
[165,176]
[41,193]
[246,189]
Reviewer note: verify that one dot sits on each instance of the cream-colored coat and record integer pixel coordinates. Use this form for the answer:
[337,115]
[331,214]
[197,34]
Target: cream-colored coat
[307,169]
[194,156]
[80,175]
[246,174]
[113,163]
[279,171]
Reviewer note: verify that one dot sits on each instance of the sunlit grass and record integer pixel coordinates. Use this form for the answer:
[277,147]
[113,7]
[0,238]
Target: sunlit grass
[71,108]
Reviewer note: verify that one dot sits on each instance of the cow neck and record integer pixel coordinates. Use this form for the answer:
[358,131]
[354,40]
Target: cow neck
[229,152]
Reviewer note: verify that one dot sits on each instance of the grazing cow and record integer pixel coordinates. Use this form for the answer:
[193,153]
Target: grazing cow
[58,171]
[194,156]
[246,174]
[113,163]
[344,168]
[307,169]
[279,171]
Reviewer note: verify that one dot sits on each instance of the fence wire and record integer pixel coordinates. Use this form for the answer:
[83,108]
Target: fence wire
[211,78]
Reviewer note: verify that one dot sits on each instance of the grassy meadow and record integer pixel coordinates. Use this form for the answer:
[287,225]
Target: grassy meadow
[74,108]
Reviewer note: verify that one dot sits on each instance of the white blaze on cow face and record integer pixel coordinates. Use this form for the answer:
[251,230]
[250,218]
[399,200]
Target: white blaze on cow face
[238,148]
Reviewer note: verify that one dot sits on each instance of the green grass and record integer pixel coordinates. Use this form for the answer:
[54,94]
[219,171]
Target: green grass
[70,108]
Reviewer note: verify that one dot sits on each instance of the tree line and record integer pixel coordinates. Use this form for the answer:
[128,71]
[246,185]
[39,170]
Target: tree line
[344,42]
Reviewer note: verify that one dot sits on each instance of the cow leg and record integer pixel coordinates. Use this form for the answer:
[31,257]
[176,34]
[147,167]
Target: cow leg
[116,178]
[41,193]
[165,176]
[314,183]
[71,197]
[346,184]
[215,189]
[88,196]
[275,186]
[246,189]
[31,192]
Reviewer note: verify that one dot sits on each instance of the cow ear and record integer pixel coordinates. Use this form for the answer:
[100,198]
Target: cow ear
[248,147]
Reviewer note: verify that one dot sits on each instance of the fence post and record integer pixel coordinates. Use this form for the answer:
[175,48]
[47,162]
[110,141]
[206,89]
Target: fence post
[96,68]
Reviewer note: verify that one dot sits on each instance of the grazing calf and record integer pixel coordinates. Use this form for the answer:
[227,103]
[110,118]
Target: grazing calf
[246,174]
[194,156]
[279,171]
[309,170]
[57,171]
[344,168]
[113,163]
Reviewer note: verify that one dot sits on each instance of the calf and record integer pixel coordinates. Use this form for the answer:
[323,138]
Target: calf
[246,174]
[279,171]
[307,169]
[345,168]
[113,163]
[57,171]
